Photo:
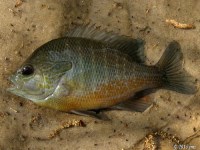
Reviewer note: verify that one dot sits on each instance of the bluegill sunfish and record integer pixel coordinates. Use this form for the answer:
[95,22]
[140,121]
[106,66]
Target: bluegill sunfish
[92,69]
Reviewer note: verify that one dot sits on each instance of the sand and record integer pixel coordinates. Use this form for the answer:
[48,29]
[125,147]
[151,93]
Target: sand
[173,118]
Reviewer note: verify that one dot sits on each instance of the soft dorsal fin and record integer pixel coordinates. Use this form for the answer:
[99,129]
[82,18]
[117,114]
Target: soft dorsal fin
[134,48]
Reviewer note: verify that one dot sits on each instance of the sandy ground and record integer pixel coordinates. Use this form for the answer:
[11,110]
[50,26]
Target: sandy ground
[174,117]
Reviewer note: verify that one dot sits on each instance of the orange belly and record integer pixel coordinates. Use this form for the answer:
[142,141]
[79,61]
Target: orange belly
[106,95]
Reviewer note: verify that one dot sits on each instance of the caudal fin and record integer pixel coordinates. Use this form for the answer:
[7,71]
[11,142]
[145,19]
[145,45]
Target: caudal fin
[174,76]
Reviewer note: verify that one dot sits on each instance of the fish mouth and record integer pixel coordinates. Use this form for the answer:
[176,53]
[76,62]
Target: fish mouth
[15,85]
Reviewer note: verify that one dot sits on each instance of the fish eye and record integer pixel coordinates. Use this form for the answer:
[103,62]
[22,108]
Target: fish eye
[27,70]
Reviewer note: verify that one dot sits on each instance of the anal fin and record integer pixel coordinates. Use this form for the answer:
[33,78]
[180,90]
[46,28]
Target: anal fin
[138,105]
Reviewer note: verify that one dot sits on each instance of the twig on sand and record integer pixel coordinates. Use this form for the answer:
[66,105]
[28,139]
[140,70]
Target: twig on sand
[13,110]
[69,124]
[180,25]
[18,3]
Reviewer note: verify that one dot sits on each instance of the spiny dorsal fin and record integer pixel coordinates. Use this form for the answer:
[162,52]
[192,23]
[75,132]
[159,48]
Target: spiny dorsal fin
[132,47]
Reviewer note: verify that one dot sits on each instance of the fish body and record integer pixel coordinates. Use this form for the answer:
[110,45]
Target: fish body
[92,69]
[100,77]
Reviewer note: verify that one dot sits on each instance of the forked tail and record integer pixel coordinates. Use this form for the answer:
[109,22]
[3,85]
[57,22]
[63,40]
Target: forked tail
[174,76]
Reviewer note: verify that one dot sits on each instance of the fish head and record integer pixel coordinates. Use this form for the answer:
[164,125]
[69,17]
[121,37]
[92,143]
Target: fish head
[30,82]
[38,77]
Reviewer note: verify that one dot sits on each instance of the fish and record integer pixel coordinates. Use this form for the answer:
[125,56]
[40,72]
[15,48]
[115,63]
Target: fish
[91,69]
